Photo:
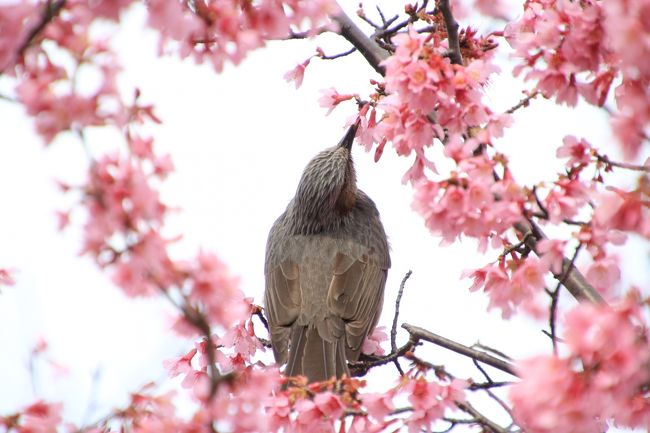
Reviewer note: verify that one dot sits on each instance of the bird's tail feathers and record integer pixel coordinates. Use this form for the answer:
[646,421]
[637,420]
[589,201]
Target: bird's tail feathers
[312,356]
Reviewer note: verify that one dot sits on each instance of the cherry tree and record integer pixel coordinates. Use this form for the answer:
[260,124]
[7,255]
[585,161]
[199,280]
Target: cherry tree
[431,68]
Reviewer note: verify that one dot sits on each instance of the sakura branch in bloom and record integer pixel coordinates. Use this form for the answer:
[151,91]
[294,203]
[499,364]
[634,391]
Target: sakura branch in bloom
[429,93]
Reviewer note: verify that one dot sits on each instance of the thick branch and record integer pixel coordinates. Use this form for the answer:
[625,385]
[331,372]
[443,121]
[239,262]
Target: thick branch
[368,48]
[452,32]
[574,281]
[418,333]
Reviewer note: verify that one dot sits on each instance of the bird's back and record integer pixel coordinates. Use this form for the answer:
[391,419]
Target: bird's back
[325,289]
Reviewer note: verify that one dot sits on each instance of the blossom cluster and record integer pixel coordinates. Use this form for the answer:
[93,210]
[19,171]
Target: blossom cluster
[571,49]
[601,378]
[321,406]
[218,31]
[471,202]
[429,97]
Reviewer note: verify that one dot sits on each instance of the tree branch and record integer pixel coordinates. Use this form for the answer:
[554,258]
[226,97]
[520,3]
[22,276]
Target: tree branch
[369,49]
[574,281]
[393,329]
[480,418]
[609,163]
[418,333]
[360,368]
[50,11]
[452,32]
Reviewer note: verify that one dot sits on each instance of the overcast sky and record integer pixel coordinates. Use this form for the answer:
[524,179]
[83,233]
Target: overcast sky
[240,141]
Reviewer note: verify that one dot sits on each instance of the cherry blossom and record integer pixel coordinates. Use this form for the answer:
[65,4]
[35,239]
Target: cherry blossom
[372,343]
[576,150]
[297,74]
[610,346]
[331,98]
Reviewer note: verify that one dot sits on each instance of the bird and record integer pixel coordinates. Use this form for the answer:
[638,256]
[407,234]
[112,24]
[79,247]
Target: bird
[327,259]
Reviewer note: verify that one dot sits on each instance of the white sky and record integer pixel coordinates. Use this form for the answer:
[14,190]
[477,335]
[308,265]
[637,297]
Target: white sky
[240,141]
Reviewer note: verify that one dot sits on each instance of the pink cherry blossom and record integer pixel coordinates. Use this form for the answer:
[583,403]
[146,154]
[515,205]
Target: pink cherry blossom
[212,284]
[430,400]
[242,339]
[552,254]
[600,378]
[565,199]
[576,150]
[15,21]
[551,398]
[604,274]
[240,404]
[378,405]
[331,98]
[41,417]
[297,74]
[492,8]
[372,343]
[556,40]
[625,211]
[180,365]
[6,278]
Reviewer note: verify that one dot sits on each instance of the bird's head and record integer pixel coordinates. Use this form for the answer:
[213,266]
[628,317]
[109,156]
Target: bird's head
[328,185]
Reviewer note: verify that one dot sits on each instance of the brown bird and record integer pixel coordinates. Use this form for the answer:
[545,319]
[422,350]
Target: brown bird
[326,264]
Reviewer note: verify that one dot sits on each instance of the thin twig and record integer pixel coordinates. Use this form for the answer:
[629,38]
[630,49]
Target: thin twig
[362,14]
[438,369]
[360,368]
[555,295]
[500,402]
[422,334]
[488,385]
[337,56]
[523,103]
[452,32]
[257,311]
[480,418]
[393,329]
[608,162]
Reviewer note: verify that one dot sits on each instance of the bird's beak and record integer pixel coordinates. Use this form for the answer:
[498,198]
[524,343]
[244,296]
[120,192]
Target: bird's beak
[348,138]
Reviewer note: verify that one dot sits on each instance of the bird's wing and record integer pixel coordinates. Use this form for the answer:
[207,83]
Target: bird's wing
[356,295]
[282,299]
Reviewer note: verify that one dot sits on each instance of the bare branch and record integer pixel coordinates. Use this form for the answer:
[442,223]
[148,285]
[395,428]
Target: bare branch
[524,102]
[368,49]
[480,418]
[393,329]
[609,163]
[452,32]
[555,296]
[418,333]
[337,56]
[360,368]
[488,385]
